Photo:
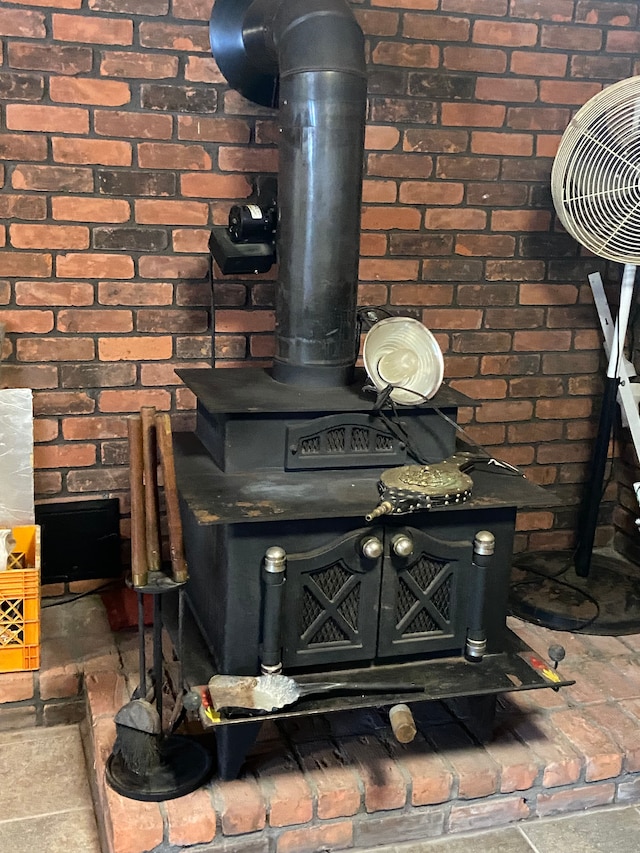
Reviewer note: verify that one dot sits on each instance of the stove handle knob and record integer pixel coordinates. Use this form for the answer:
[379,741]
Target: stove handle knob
[402,545]
[372,548]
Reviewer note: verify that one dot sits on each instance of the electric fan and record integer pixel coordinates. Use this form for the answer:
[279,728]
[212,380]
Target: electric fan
[595,184]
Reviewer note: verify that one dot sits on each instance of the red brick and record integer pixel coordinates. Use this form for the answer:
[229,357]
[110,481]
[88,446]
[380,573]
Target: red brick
[431,776]
[94,266]
[94,321]
[561,763]
[567,92]
[132,125]
[384,218]
[62,403]
[190,239]
[431,192]
[407,54]
[185,266]
[420,294]
[455,219]
[384,138]
[23,320]
[119,63]
[336,787]
[384,785]
[182,37]
[575,799]
[194,9]
[131,401]
[505,33]
[332,836]
[192,819]
[534,521]
[84,428]
[479,389]
[551,10]
[45,430]
[571,408]
[377,23]
[53,293]
[480,59]
[432,141]
[55,349]
[156,211]
[496,245]
[60,178]
[96,151]
[92,30]
[47,119]
[247,160]
[472,115]
[76,90]
[467,818]
[49,237]
[23,24]
[57,456]
[543,341]
[74,209]
[520,220]
[203,69]
[538,118]
[33,264]
[23,146]
[132,826]
[507,89]
[159,155]
[400,165]
[538,64]
[477,774]
[241,806]
[134,293]
[619,41]
[135,348]
[506,144]
[16,686]
[207,129]
[384,270]
[435,27]
[47,483]
[286,791]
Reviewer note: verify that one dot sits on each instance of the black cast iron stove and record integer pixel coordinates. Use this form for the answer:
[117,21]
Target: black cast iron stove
[284,465]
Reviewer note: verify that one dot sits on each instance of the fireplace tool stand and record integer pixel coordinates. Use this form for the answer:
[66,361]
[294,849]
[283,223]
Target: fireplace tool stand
[147,762]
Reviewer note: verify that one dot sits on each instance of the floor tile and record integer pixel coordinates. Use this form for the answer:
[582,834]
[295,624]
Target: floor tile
[610,831]
[66,832]
[507,840]
[43,772]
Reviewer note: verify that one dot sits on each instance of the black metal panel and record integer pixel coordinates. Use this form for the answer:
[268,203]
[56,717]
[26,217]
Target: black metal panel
[331,596]
[339,441]
[424,606]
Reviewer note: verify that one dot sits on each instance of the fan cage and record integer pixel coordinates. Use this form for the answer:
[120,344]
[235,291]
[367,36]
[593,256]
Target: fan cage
[595,179]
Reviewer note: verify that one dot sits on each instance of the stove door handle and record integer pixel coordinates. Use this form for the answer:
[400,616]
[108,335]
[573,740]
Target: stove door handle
[372,548]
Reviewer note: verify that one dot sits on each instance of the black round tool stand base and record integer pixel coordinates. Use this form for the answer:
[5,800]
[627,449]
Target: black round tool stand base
[538,596]
[184,766]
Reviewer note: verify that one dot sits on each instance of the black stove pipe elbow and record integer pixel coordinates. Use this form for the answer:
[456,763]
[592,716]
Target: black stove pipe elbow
[317,49]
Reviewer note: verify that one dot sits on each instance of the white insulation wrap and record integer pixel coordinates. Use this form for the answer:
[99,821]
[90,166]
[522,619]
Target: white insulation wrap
[16,457]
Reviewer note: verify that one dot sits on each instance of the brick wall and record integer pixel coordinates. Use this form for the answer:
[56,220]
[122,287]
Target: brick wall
[121,145]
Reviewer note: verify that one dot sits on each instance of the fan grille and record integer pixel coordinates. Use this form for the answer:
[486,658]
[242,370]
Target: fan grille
[595,180]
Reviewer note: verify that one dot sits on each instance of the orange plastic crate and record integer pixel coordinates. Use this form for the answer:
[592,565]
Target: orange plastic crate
[20,605]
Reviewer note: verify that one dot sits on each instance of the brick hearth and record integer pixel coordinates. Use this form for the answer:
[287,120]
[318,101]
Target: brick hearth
[341,781]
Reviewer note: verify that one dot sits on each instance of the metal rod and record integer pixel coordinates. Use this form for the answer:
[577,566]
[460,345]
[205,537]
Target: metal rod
[157,651]
[142,662]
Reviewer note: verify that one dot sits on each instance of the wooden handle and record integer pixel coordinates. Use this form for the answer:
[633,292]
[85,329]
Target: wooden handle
[138,536]
[174,522]
[150,466]
[402,723]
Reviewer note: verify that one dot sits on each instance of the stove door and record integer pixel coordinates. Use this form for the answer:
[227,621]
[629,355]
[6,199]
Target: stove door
[331,601]
[423,601]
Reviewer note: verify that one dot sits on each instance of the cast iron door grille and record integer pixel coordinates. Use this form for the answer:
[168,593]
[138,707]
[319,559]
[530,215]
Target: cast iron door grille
[332,596]
[423,606]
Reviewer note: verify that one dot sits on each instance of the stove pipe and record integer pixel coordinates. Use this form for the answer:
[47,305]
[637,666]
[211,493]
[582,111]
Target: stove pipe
[316,49]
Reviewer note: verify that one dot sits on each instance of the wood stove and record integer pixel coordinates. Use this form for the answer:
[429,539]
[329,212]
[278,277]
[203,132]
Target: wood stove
[284,465]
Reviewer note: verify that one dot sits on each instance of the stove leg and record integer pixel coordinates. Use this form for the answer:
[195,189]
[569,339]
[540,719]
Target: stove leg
[476,713]
[232,744]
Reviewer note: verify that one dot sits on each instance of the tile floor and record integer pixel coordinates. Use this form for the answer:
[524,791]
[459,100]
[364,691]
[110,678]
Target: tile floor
[45,799]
